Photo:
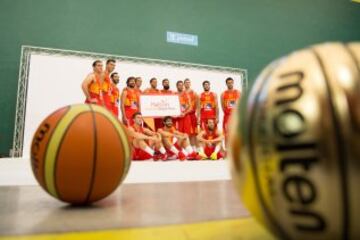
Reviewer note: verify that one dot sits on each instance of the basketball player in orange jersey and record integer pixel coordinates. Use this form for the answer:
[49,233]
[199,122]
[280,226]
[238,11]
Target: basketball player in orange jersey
[153,87]
[109,68]
[153,90]
[129,102]
[166,87]
[92,85]
[138,83]
[210,141]
[228,101]
[114,94]
[208,105]
[194,98]
[175,142]
[146,143]
[184,121]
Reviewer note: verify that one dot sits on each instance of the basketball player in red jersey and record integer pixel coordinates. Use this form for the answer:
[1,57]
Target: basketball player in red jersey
[210,141]
[175,142]
[109,68]
[208,106]
[129,101]
[166,87]
[153,87]
[228,101]
[114,94]
[194,98]
[92,85]
[146,143]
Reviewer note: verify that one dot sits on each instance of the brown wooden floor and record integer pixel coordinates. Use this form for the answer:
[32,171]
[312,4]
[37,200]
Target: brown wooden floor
[29,210]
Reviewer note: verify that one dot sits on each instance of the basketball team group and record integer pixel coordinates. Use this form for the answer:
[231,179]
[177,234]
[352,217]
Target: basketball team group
[193,135]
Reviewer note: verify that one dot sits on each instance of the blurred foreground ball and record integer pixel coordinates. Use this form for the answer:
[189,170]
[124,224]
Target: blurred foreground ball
[295,147]
[80,153]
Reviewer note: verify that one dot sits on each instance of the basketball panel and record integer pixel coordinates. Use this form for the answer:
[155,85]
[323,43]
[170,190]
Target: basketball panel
[40,142]
[110,158]
[75,160]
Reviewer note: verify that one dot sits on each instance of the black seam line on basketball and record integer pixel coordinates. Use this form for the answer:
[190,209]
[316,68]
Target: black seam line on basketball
[93,173]
[354,58]
[341,153]
[270,218]
[357,66]
[47,145]
[123,144]
[55,172]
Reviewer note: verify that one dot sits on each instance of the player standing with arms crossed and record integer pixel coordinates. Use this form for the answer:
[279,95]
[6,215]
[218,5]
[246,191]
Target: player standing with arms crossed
[228,101]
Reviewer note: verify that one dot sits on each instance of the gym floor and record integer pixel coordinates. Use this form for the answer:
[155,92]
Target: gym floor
[206,207]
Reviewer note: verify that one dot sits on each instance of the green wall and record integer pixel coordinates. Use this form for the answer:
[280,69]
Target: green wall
[234,33]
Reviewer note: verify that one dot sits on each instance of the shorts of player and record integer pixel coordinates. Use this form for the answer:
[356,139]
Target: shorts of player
[194,123]
[203,122]
[130,122]
[115,110]
[129,112]
[139,155]
[158,122]
[206,114]
[208,150]
[99,100]
[107,102]
[226,123]
[184,125]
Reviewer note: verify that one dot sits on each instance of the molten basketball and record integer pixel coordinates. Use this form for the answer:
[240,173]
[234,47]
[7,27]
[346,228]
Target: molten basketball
[298,170]
[80,154]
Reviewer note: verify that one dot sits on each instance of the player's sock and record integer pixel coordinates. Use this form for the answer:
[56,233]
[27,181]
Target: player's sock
[174,150]
[217,149]
[189,149]
[149,151]
[214,155]
[202,153]
[184,152]
[162,150]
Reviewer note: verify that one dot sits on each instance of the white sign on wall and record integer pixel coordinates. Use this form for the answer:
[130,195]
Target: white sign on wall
[160,105]
[182,38]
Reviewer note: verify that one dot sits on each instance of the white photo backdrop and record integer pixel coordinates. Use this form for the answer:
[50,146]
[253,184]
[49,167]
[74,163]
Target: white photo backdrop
[51,78]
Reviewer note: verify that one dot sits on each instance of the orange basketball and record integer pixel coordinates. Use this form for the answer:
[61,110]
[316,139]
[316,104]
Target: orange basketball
[80,153]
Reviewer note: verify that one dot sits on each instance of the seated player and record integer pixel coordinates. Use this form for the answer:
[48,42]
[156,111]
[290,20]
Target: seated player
[210,141]
[146,143]
[175,142]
